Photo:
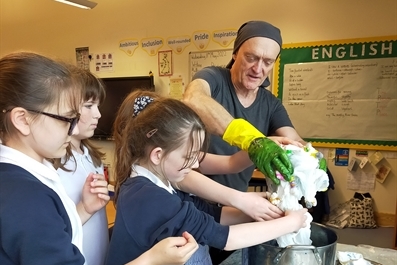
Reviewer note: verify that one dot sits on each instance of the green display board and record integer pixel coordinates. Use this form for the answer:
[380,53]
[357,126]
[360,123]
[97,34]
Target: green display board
[341,93]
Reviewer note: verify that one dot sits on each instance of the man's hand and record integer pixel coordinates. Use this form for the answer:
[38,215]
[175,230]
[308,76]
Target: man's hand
[265,153]
[268,157]
[322,164]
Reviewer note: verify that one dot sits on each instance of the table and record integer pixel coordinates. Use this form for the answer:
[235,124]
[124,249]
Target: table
[258,180]
[385,256]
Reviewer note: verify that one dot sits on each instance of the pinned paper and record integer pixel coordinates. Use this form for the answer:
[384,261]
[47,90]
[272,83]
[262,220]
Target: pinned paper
[353,164]
[361,153]
[176,87]
[382,173]
[364,161]
[375,158]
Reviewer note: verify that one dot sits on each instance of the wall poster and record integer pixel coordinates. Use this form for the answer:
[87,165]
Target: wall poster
[165,63]
[341,93]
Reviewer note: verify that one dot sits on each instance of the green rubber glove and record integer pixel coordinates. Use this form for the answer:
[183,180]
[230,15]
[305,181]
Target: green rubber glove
[268,157]
[323,164]
[264,153]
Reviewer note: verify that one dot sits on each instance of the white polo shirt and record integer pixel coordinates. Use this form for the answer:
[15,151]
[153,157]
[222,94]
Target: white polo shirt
[95,230]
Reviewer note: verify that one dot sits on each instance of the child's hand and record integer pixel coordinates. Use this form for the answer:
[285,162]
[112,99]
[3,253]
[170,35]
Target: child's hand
[281,140]
[256,205]
[299,218]
[173,250]
[95,193]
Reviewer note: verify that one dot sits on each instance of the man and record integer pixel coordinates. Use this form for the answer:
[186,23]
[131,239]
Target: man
[222,95]
[238,110]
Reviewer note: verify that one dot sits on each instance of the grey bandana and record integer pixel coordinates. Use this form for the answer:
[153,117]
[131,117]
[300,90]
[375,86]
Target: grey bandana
[253,29]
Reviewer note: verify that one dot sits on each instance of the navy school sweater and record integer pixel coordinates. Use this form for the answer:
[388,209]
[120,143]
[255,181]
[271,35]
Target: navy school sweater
[146,214]
[34,225]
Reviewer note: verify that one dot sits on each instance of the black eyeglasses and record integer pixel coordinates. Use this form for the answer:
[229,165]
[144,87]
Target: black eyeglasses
[73,121]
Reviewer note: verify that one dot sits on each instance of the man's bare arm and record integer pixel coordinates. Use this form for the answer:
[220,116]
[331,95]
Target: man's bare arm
[214,115]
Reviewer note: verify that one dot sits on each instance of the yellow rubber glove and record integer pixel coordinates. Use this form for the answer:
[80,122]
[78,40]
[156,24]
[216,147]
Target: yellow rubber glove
[265,153]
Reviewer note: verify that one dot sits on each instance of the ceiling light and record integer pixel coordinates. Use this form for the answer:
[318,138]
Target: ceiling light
[79,3]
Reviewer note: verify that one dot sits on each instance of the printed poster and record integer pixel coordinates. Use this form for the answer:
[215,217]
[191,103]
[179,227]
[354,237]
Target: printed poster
[82,58]
[341,157]
[104,62]
[176,87]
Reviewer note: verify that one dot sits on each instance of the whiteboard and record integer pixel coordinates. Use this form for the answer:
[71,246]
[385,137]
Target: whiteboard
[200,59]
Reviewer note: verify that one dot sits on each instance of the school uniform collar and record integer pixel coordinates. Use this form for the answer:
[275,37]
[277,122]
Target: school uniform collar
[15,157]
[141,171]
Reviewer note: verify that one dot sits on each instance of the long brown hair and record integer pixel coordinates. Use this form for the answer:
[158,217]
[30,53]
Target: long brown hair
[172,122]
[33,81]
[93,88]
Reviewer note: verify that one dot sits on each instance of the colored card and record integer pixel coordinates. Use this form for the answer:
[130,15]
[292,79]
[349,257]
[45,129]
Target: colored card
[341,157]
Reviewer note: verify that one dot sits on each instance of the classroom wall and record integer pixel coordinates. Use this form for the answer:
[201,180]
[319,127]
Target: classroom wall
[55,29]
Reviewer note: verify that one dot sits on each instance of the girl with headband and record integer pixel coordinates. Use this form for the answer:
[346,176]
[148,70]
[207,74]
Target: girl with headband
[161,142]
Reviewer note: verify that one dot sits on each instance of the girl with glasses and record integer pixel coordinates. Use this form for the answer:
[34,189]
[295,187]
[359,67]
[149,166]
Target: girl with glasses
[40,105]
[39,109]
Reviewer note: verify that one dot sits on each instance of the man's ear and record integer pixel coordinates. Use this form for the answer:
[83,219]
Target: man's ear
[155,155]
[234,56]
[21,120]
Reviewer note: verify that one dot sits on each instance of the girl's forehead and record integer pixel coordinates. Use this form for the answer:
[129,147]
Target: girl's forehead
[63,105]
[91,99]
[195,143]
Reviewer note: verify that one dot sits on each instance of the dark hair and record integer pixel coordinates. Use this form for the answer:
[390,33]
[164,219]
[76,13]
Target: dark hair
[33,81]
[93,88]
[126,111]
[173,121]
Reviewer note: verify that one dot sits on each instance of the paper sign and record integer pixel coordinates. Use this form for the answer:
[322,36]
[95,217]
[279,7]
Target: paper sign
[375,158]
[382,173]
[341,157]
[364,161]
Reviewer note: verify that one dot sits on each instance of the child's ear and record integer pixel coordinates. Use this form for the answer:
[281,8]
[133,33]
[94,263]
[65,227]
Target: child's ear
[156,155]
[20,119]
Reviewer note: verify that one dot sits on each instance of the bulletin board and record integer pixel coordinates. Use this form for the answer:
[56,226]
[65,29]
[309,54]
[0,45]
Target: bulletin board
[201,59]
[341,93]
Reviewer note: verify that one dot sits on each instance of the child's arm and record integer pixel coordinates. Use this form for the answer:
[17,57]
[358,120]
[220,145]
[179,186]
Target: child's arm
[253,204]
[233,216]
[223,164]
[249,234]
[171,250]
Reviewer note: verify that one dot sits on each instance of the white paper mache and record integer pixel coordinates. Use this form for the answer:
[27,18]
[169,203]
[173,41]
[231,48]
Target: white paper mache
[308,179]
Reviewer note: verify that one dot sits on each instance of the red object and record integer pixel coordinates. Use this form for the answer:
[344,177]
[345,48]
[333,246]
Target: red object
[106,173]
